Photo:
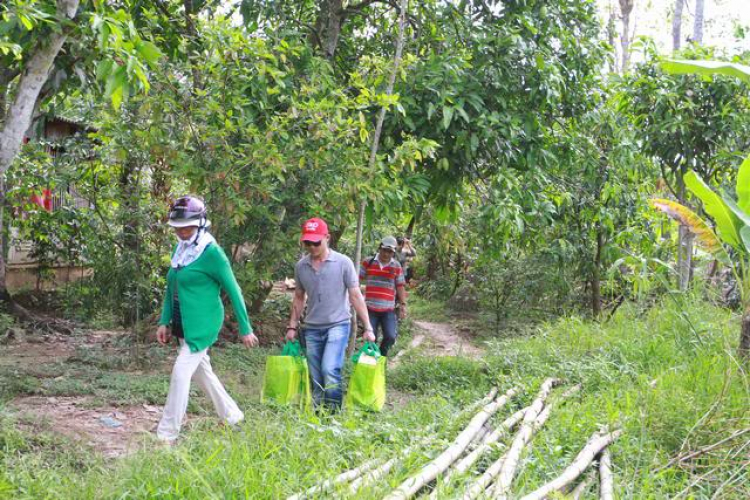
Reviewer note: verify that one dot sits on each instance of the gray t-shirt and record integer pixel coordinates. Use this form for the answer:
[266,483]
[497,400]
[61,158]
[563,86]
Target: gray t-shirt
[326,289]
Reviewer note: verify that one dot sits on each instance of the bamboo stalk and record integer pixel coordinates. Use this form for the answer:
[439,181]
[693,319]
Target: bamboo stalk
[502,430]
[486,400]
[545,413]
[408,488]
[539,423]
[493,437]
[355,473]
[344,477]
[524,435]
[595,445]
[583,486]
[606,478]
[482,482]
[385,468]
[378,473]
[529,422]
[479,438]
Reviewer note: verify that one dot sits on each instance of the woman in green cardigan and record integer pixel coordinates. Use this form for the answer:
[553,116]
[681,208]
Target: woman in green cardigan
[193,308]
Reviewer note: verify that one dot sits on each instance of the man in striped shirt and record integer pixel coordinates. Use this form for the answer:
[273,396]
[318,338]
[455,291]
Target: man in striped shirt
[383,278]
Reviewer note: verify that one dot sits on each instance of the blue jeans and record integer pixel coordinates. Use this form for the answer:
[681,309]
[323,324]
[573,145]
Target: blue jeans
[326,350]
[388,323]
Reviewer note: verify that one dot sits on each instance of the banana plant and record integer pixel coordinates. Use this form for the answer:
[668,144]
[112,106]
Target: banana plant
[730,243]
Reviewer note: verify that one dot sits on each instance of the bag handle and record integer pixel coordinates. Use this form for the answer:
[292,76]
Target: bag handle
[368,349]
[292,348]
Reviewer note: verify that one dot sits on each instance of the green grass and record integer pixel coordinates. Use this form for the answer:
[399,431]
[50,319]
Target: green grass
[427,310]
[650,374]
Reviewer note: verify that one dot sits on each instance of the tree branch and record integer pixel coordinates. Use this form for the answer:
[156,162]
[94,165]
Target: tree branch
[31,82]
[357,7]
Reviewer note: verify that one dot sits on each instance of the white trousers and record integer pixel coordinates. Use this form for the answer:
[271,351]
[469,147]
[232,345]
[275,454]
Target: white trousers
[186,366]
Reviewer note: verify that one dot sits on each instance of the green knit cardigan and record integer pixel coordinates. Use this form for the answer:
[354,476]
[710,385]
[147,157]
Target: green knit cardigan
[198,286]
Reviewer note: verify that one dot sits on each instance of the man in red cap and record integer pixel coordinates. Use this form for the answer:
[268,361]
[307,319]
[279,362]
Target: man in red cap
[328,282]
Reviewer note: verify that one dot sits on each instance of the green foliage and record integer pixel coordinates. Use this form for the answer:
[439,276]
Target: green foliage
[686,122]
[731,222]
[648,372]
[107,46]
[439,376]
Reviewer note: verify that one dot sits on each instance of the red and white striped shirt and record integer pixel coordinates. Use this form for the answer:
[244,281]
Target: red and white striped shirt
[381,281]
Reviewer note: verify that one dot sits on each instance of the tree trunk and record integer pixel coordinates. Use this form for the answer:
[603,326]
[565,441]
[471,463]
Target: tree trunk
[129,214]
[19,115]
[374,151]
[256,305]
[698,24]
[596,294]
[744,349]
[5,297]
[413,222]
[626,7]
[18,118]
[336,235]
[193,44]
[328,27]
[677,25]
[684,241]
[3,104]
[459,267]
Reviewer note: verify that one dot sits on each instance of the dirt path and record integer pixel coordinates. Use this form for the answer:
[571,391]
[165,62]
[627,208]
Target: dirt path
[439,339]
[112,431]
[442,339]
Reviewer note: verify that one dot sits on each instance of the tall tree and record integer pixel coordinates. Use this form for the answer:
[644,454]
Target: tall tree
[677,25]
[17,120]
[626,8]
[686,123]
[698,23]
[375,145]
[32,78]
[37,32]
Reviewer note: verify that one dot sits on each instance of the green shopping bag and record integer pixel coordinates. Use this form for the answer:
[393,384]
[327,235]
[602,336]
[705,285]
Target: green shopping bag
[367,383]
[287,378]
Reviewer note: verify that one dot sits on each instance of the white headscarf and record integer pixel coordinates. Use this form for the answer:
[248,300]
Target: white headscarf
[189,250]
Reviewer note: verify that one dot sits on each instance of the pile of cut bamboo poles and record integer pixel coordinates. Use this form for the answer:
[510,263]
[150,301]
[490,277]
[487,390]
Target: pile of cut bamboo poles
[478,439]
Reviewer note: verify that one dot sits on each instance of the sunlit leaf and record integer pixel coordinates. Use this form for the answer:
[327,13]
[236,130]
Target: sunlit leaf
[727,223]
[149,52]
[745,234]
[704,235]
[743,216]
[743,185]
[707,68]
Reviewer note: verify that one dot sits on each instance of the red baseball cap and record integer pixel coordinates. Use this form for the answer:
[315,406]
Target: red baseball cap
[314,230]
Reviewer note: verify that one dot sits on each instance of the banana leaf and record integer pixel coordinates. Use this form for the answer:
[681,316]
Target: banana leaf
[704,235]
[743,186]
[707,68]
[727,224]
[744,217]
